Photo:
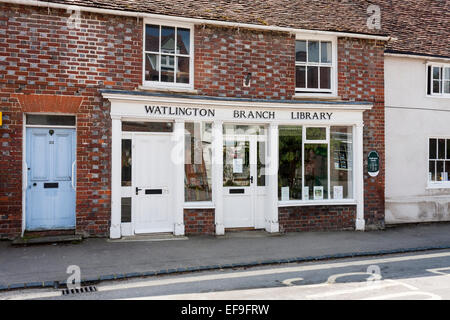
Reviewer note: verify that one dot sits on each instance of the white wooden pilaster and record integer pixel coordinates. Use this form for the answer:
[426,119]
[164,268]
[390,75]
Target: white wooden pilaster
[217,183]
[271,212]
[116,168]
[178,178]
[359,177]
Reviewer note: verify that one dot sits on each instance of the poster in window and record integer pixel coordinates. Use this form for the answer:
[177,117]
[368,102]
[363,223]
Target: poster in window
[338,192]
[237,165]
[318,193]
[305,193]
[284,193]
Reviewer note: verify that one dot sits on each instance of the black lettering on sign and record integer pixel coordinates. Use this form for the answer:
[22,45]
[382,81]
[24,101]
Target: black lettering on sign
[180,111]
[305,115]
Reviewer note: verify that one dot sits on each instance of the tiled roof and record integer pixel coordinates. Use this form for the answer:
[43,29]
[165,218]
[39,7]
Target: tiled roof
[421,26]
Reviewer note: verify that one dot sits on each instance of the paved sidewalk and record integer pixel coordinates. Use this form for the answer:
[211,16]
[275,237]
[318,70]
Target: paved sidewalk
[101,259]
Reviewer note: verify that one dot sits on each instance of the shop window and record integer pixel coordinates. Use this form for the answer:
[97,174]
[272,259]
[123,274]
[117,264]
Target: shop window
[439,162]
[168,55]
[314,67]
[50,120]
[438,80]
[126,162]
[198,161]
[126,210]
[290,163]
[341,166]
[315,163]
[142,126]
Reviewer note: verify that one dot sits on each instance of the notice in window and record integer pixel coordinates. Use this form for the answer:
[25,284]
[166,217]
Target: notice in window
[318,193]
[338,192]
[305,193]
[237,165]
[285,194]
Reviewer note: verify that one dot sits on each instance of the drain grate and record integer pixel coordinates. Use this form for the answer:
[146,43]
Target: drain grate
[81,290]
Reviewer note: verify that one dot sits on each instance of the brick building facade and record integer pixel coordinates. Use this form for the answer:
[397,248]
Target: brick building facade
[48,67]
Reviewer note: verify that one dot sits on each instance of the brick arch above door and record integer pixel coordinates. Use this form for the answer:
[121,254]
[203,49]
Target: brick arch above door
[48,103]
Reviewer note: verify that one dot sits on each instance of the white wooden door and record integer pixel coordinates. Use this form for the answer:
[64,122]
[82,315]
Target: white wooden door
[152,183]
[239,181]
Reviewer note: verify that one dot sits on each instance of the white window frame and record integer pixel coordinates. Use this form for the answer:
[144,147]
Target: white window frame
[332,92]
[436,184]
[329,200]
[429,80]
[169,85]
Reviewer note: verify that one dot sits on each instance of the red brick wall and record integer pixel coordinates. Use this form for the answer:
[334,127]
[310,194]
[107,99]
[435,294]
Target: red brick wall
[40,55]
[224,56]
[361,77]
[316,218]
[199,221]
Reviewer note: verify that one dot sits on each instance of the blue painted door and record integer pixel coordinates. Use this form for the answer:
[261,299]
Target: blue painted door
[50,195]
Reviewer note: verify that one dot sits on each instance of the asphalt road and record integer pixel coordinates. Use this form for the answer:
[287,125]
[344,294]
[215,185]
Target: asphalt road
[421,275]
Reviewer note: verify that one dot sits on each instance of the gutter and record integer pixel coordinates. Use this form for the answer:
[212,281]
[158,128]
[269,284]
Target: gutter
[416,56]
[193,20]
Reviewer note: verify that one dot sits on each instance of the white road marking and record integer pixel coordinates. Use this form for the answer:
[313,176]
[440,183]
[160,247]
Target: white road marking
[233,275]
[405,294]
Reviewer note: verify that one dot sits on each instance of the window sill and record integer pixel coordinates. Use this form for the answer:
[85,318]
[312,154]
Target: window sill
[444,185]
[168,89]
[439,96]
[199,205]
[321,96]
[294,203]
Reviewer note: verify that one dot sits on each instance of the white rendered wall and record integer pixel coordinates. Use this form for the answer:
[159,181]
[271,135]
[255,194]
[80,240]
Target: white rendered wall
[411,118]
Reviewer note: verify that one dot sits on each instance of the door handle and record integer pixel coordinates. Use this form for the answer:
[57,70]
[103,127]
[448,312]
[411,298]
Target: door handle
[251,179]
[137,190]
[72,178]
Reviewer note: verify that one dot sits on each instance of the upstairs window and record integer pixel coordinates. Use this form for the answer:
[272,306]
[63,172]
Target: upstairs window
[438,80]
[314,66]
[168,56]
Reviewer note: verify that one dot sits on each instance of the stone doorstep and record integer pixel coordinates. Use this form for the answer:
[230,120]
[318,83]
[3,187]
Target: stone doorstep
[47,240]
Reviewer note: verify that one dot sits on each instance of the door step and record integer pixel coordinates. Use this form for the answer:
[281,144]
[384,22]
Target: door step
[150,237]
[246,233]
[47,239]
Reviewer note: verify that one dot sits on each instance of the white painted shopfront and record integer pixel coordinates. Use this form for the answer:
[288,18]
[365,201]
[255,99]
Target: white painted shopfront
[233,146]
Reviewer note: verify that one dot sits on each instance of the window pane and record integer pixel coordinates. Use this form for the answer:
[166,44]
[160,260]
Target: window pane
[325,78]
[135,126]
[300,50]
[151,67]
[183,41]
[54,120]
[152,38]
[236,163]
[341,167]
[447,170]
[446,75]
[198,157]
[433,149]
[436,86]
[126,210]
[316,133]
[290,163]
[316,171]
[313,51]
[431,171]
[325,51]
[300,77]
[261,163]
[441,149]
[313,77]
[183,70]
[126,162]
[436,73]
[167,39]
[448,149]
[446,86]
[167,68]
[439,170]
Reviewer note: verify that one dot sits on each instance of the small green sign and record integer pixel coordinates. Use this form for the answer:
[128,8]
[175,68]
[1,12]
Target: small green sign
[373,163]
